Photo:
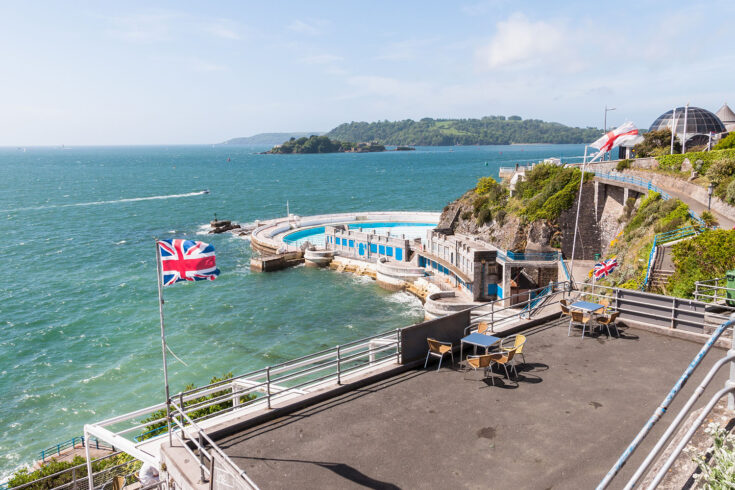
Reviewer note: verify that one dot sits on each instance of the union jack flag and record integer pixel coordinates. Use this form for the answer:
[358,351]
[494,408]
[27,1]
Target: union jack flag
[604,268]
[186,260]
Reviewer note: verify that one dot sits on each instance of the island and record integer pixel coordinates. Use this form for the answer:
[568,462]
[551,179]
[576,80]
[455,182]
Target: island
[322,144]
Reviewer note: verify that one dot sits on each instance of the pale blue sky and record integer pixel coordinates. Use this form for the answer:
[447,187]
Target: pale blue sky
[201,72]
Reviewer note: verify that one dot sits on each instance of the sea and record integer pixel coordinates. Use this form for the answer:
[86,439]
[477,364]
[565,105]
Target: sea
[80,338]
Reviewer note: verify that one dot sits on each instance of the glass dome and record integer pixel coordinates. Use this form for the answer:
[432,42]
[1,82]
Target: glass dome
[699,121]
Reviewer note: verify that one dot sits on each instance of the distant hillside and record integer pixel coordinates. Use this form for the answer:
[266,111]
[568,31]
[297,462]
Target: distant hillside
[490,130]
[269,139]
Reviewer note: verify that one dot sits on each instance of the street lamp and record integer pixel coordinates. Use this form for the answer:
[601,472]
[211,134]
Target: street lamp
[604,124]
[710,190]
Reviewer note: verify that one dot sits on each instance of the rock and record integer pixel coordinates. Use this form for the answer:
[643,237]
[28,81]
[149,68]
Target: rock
[686,165]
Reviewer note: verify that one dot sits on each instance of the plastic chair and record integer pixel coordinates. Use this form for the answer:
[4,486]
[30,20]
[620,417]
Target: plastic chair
[438,349]
[608,320]
[579,318]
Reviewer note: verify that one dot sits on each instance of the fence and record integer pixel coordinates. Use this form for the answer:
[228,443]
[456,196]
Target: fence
[713,291]
[75,478]
[72,443]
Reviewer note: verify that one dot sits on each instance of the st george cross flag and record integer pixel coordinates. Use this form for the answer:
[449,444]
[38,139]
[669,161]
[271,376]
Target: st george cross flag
[604,268]
[186,260]
[625,135]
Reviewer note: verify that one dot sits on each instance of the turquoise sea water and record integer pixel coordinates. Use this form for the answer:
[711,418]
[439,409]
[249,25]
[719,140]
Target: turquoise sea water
[78,306]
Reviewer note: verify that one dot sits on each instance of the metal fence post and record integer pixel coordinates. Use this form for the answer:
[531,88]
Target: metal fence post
[339,367]
[673,311]
[211,472]
[268,384]
[398,345]
[235,398]
[201,458]
[731,382]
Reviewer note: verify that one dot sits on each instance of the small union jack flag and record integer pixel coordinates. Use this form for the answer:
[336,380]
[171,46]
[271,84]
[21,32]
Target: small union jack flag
[604,268]
[186,260]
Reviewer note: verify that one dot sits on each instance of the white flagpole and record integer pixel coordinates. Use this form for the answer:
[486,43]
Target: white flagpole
[163,343]
[673,131]
[576,221]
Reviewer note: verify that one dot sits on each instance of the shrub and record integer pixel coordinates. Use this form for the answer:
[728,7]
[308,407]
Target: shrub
[655,140]
[622,165]
[730,193]
[718,470]
[673,162]
[721,169]
[706,256]
[484,216]
[726,143]
[709,219]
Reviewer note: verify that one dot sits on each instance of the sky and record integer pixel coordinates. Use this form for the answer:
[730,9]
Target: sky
[118,73]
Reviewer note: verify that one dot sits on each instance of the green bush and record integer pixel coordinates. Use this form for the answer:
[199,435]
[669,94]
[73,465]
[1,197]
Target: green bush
[622,165]
[717,469]
[709,219]
[730,193]
[707,256]
[656,143]
[23,476]
[726,143]
[673,162]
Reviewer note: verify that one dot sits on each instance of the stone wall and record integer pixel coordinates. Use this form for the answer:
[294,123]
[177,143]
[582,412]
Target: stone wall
[589,233]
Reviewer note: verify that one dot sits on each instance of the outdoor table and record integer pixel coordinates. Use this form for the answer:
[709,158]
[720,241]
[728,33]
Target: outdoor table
[478,340]
[586,306]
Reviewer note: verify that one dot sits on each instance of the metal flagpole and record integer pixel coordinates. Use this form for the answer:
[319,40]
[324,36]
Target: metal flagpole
[163,343]
[684,139]
[579,202]
[673,131]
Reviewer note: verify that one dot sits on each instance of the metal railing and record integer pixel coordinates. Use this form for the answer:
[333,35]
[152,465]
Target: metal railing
[522,308]
[72,443]
[528,256]
[711,291]
[647,184]
[77,479]
[666,237]
[661,411]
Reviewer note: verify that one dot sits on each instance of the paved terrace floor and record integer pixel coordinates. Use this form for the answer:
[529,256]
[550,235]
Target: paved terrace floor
[576,405]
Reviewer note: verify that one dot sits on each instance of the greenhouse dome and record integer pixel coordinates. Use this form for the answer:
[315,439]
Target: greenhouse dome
[699,122]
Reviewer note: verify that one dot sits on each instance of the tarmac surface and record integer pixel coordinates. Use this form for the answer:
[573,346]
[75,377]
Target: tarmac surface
[575,406]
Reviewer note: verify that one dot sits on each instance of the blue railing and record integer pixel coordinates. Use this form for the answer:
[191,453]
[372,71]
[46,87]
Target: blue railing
[648,185]
[70,444]
[543,256]
[665,237]
[537,297]
[564,266]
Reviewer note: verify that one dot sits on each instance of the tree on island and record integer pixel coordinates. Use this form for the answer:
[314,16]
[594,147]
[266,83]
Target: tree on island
[322,144]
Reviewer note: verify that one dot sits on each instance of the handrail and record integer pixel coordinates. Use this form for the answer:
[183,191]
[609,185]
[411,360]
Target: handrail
[665,237]
[661,410]
[70,443]
[678,420]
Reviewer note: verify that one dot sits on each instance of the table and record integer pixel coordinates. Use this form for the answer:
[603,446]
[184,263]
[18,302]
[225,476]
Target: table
[478,340]
[586,306]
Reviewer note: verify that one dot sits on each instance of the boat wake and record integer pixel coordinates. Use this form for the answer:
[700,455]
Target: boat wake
[99,203]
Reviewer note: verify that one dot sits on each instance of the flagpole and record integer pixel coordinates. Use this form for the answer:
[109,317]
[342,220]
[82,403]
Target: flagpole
[163,343]
[576,221]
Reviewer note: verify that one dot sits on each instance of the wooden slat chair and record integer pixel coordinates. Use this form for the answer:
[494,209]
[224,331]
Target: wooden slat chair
[438,349]
[608,320]
[563,304]
[579,318]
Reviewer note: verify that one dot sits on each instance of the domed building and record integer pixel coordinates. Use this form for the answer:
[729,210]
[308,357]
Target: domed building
[700,123]
[727,117]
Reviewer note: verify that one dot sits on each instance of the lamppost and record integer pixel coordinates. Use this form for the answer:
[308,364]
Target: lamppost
[604,124]
[710,190]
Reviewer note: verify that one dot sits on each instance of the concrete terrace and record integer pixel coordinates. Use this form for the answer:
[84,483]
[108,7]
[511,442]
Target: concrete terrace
[576,405]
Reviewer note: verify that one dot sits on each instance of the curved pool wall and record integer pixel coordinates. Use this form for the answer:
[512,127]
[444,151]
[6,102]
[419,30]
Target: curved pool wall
[315,235]
[268,236]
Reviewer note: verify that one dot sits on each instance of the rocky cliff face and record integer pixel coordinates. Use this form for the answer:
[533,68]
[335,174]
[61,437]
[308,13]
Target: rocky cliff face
[598,224]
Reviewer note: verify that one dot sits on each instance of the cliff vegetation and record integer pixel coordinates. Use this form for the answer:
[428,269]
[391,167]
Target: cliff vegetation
[323,144]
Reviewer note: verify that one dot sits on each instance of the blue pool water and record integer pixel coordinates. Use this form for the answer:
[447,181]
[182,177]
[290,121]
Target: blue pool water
[315,235]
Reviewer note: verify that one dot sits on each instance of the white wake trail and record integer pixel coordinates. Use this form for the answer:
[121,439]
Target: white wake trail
[99,203]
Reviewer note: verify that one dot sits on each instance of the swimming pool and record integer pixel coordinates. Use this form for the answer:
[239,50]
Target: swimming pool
[316,235]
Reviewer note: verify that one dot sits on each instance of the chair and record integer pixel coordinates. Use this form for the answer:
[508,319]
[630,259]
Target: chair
[503,358]
[565,310]
[438,349]
[607,320]
[479,362]
[118,483]
[518,342]
[580,318]
[606,303]
[482,328]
